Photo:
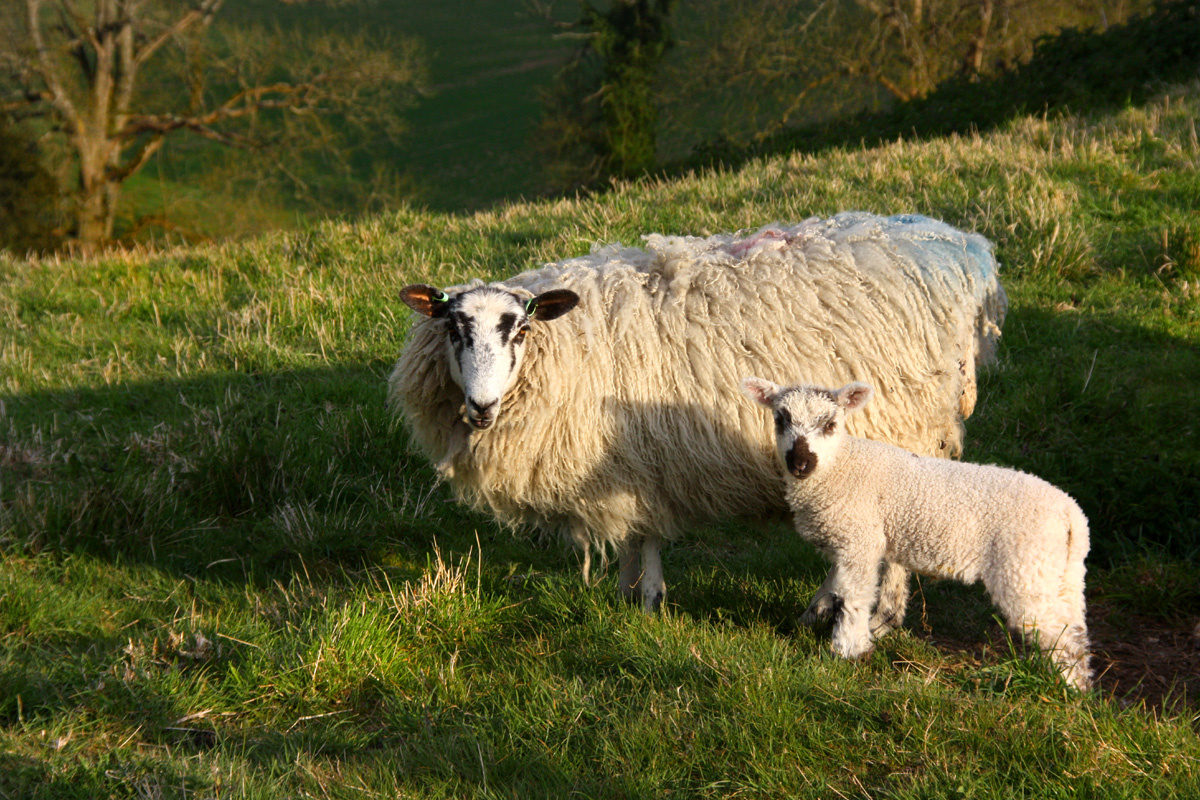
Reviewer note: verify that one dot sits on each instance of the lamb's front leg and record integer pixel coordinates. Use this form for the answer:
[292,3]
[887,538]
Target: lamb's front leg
[824,602]
[857,586]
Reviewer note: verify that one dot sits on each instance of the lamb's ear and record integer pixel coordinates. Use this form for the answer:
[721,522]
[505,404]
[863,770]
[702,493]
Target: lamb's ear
[551,305]
[760,390]
[854,396]
[426,300]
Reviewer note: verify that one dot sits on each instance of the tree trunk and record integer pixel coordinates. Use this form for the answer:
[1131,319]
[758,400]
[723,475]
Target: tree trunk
[97,197]
[973,61]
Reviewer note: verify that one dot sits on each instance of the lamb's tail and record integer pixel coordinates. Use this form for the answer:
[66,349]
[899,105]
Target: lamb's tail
[1073,643]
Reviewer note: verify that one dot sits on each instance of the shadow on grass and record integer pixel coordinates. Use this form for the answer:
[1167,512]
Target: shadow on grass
[236,474]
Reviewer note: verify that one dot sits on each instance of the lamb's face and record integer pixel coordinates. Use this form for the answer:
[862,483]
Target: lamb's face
[486,328]
[810,421]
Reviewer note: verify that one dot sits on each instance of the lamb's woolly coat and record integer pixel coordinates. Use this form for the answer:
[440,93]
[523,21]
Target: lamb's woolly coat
[586,445]
[1024,538]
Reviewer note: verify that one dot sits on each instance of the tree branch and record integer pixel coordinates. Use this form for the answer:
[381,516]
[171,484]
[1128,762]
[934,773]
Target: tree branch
[44,68]
[202,13]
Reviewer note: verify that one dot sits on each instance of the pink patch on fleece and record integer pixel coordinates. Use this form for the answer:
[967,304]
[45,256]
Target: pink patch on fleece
[770,239]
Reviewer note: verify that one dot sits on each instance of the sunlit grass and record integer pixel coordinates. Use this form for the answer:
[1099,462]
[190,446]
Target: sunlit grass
[223,574]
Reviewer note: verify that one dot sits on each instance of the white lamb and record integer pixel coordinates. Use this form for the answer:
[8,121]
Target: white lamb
[864,502]
[540,398]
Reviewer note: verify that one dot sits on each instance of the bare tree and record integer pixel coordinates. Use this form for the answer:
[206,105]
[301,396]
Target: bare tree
[113,80]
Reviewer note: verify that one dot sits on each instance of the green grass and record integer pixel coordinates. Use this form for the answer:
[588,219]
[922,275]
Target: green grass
[222,574]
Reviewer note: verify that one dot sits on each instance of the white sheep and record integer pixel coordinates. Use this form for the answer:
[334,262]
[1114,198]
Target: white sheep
[562,425]
[864,502]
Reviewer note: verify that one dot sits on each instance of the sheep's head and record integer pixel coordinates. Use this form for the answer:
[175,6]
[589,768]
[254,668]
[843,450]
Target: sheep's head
[809,421]
[485,329]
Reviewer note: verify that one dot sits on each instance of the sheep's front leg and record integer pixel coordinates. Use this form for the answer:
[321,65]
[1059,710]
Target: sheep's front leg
[645,578]
[653,587]
[857,586]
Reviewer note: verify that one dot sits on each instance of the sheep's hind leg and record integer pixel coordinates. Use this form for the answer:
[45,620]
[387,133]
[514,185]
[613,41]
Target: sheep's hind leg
[631,569]
[893,600]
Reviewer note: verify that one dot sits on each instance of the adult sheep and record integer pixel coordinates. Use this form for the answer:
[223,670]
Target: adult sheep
[540,398]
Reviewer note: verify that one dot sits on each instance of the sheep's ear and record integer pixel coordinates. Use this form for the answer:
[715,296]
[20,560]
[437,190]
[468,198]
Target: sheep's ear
[854,396]
[426,300]
[551,305]
[760,390]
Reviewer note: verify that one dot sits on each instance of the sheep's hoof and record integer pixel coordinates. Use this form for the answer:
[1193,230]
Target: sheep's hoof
[652,603]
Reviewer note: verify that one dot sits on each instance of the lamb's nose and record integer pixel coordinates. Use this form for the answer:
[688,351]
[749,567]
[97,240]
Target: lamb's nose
[800,460]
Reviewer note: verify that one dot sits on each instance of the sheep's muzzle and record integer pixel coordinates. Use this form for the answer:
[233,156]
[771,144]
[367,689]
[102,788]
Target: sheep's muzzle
[800,460]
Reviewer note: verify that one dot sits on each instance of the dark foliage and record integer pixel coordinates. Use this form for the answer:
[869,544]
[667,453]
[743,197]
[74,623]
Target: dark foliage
[600,116]
[28,194]
[1079,70]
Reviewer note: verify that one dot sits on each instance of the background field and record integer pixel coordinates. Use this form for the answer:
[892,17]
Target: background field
[223,575]
[469,142]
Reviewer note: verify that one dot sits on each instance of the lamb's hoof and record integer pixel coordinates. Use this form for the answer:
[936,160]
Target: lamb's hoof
[854,653]
[882,625]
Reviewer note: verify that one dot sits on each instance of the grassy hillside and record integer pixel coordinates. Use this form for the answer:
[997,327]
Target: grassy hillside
[223,575]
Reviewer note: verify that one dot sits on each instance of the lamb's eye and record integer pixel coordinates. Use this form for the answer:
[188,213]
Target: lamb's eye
[829,427]
[520,337]
[452,332]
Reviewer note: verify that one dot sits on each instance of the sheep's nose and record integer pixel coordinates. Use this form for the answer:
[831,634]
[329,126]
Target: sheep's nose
[800,460]
[481,415]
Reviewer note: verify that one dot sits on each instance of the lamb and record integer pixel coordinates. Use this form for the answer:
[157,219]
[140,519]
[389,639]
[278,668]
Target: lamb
[863,502]
[539,398]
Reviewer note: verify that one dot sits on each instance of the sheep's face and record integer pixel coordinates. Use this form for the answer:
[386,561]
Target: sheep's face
[810,421]
[486,328]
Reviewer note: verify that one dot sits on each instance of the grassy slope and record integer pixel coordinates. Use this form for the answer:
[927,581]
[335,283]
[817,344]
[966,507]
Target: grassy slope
[221,572]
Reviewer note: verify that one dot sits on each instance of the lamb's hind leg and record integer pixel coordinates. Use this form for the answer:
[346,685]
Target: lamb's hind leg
[893,600]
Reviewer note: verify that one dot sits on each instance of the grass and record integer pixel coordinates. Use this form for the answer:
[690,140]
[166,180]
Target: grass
[222,574]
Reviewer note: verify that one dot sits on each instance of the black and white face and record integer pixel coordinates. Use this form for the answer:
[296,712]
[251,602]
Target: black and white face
[810,421]
[486,332]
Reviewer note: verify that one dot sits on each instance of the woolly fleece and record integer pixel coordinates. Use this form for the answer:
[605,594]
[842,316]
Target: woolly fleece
[588,447]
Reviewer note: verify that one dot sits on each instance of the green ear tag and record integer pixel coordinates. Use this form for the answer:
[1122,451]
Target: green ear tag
[442,297]
[531,306]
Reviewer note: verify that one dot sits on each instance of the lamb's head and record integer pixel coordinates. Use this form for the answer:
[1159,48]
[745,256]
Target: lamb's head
[485,330]
[809,421]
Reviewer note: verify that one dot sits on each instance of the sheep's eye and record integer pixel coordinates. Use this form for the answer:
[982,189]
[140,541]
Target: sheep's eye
[453,333]
[520,337]
[830,426]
